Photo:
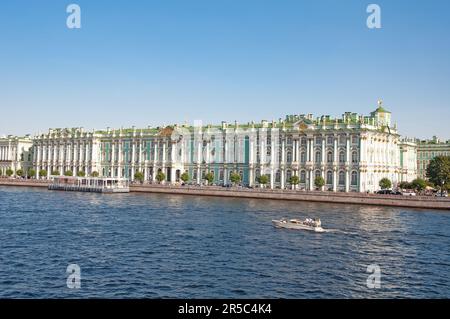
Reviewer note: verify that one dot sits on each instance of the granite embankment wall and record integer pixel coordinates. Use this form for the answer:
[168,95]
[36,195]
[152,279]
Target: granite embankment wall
[324,197]
[426,202]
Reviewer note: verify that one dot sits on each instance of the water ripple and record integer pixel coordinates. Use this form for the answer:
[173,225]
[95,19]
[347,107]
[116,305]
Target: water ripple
[164,246]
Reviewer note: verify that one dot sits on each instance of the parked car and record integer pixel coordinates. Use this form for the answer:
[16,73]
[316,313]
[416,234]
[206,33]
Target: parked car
[408,193]
[385,192]
[438,194]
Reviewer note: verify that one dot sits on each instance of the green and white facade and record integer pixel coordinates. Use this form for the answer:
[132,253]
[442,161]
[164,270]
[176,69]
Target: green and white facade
[429,149]
[351,153]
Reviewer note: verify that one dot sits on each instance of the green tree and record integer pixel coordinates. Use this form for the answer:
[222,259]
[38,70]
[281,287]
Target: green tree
[68,173]
[385,183]
[438,171]
[55,173]
[81,174]
[160,177]
[19,172]
[185,177]
[404,185]
[94,174]
[9,172]
[209,177]
[235,178]
[319,182]
[419,184]
[139,176]
[42,173]
[294,181]
[263,180]
[31,173]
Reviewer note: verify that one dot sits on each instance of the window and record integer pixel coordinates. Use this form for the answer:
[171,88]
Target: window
[289,140]
[354,157]
[354,178]
[278,176]
[288,175]
[329,177]
[289,157]
[341,178]
[341,157]
[318,140]
[302,177]
[317,173]
[318,157]
[330,140]
[330,157]
[303,157]
[354,139]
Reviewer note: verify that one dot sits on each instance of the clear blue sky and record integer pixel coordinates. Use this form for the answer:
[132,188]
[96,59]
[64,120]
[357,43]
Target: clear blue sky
[160,62]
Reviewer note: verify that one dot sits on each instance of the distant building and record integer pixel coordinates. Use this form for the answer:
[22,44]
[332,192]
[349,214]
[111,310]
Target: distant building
[408,160]
[15,153]
[351,153]
[427,150]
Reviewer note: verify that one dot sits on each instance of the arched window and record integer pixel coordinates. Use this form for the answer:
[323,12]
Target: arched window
[354,178]
[341,178]
[341,157]
[329,177]
[288,175]
[318,157]
[354,157]
[330,157]
[317,173]
[302,157]
[302,177]
[289,157]
[278,176]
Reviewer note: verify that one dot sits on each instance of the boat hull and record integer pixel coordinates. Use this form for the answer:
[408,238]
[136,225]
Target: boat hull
[289,225]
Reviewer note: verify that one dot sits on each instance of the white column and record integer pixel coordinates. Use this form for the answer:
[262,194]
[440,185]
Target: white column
[113,160]
[335,150]
[119,159]
[347,148]
[308,149]
[335,180]
[133,158]
[323,151]
[347,180]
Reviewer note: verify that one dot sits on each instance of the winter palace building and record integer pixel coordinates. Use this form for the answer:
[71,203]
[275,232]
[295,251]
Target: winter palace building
[351,153]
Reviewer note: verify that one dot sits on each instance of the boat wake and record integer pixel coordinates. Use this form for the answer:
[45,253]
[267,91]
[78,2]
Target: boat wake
[339,231]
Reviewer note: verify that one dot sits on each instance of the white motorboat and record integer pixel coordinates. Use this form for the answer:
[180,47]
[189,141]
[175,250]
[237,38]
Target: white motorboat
[307,224]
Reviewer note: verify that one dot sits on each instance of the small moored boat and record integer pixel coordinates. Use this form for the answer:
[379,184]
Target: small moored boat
[307,224]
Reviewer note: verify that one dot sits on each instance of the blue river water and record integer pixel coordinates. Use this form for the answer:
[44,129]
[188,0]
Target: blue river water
[173,246]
